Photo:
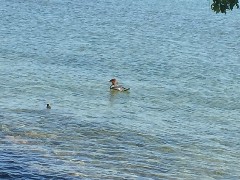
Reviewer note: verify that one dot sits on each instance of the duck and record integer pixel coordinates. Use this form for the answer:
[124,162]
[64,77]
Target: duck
[48,106]
[117,87]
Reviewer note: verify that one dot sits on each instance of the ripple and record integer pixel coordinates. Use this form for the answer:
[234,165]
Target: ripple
[179,121]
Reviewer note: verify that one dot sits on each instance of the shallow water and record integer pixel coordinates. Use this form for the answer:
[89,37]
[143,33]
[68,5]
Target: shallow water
[180,119]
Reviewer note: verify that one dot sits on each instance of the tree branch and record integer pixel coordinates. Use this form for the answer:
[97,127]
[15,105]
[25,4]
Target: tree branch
[221,6]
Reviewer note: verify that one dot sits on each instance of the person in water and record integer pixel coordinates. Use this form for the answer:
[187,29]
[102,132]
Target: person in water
[117,87]
[48,106]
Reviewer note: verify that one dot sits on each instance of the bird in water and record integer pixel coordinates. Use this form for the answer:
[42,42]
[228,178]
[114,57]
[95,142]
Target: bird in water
[48,106]
[117,87]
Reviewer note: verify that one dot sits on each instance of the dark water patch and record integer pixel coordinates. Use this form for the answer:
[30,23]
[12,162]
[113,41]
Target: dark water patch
[5,175]
[25,166]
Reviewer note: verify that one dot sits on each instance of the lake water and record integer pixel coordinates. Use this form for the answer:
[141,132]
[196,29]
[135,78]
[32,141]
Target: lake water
[180,119]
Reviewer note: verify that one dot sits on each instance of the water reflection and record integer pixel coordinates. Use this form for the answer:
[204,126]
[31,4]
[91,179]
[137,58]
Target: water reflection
[114,96]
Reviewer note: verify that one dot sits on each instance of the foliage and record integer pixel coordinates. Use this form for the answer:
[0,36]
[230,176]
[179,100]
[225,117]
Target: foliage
[221,6]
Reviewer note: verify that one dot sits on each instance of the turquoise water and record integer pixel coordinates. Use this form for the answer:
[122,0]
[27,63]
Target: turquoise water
[180,119]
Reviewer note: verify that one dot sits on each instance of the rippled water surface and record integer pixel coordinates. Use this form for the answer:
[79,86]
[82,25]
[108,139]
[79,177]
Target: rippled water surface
[180,119]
